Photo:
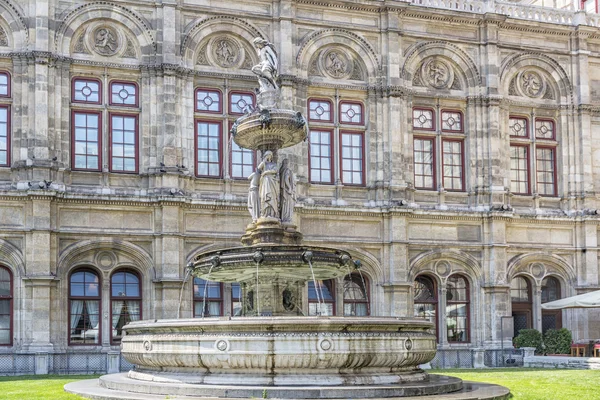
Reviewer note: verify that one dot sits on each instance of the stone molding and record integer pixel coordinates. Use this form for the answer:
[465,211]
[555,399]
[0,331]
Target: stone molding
[523,264]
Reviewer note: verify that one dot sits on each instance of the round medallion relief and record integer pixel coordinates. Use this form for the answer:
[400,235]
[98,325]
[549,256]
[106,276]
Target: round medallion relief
[336,64]
[148,345]
[537,270]
[106,41]
[225,52]
[106,259]
[408,344]
[222,345]
[437,73]
[531,83]
[443,268]
[325,344]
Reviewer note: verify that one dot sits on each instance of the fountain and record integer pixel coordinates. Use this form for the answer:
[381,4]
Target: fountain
[273,350]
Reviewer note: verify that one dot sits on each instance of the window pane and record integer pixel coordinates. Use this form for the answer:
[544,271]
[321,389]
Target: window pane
[208,100]
[544,129]
[545,171]
[452,121]
[518,127]
[452,165]
[208,141]
[242,161]
[352,158]
[240,103]
[422,119]
[87,91]
[320,158]
[351,113]
[86,141]
[519,169]
[423,163]
[319,110]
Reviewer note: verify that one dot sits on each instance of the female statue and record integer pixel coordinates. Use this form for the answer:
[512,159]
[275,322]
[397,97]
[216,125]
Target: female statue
[269,187]
[267,68]
[288,191]
[253,197]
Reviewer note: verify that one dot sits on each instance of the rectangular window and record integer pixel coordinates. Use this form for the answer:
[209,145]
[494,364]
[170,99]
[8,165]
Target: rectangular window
[123,143]
[452,164]
[242,161]
[236,299]
[546,182]
[352,158]
[351,113]
[319,110]
[4,137]
[4,84]
[240,102]
[518,127]
[5,315]
[123,94]
[86,141]
[321,300]
[452,121]
[208,148]
[86,91]
[208,299]
[424,159]
[84,322]
[544,129]
[208,100]
[423,119]
[590,6]
[519,169]
[320,157]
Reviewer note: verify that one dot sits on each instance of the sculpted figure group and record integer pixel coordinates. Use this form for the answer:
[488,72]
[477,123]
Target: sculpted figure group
[272,192]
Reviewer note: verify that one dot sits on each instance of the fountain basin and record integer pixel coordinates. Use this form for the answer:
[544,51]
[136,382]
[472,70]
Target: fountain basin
[280,351]
[270,129]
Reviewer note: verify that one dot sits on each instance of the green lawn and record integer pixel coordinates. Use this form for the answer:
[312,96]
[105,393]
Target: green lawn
[537,384]
[40,387]
[524,384]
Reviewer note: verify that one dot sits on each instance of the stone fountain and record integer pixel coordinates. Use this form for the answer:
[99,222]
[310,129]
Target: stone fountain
[272,350]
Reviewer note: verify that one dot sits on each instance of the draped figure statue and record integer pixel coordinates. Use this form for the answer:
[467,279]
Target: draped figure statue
[269,187]
[288,191]
[267,68]
[253,196]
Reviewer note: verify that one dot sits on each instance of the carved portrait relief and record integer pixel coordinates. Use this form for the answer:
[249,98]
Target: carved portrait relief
[106,40]
[530,83]
[336,63]
[437,73]
[225,51]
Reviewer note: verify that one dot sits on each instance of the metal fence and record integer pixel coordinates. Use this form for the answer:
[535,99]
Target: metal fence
[462,358]
[77,363]
[504,358]
[17,364]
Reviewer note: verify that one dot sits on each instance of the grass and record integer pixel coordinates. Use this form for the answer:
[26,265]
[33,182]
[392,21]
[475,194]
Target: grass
[524,384]
[536,384]
[38,387]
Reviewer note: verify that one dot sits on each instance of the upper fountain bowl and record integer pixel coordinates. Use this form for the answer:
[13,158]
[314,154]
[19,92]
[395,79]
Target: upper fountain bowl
[270,129]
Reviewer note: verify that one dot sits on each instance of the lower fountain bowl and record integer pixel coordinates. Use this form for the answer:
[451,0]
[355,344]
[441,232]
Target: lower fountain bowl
[280,351]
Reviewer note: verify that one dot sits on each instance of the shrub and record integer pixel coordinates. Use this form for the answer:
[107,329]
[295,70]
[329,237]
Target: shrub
[557,341]
[530,338]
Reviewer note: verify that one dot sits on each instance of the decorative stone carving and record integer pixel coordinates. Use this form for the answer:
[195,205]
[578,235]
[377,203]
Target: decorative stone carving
[288,191]
[106,40]
[267,71]
[130,49]
[325,345]
[106,259]
[537,270]
[443,268]
[222,345]
[147,345]
[253,196]
[80,46]
[202,58]
[269,187]
[357,73]
[437,73]
[226,51]
[336,64]
[3,37]
[531,84]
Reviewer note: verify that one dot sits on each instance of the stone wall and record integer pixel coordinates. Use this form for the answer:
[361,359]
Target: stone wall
[54,219]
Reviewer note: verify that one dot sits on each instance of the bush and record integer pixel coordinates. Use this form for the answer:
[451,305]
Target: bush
[530,338]
[557,341]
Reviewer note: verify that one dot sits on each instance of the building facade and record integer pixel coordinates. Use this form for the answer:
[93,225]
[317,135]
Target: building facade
[453,149]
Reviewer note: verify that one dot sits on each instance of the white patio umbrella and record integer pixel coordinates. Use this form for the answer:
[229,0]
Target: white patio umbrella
[586,300]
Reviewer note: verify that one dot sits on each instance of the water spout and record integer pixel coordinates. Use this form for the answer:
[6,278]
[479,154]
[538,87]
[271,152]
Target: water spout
[206,285]
[188,271]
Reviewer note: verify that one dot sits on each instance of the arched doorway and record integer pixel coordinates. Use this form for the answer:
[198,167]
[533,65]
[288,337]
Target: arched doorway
[551,319]
[520,296]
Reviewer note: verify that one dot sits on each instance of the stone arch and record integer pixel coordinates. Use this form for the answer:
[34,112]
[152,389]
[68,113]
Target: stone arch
[12,258]
[448,51]
[92,252]
[340,37]
[76,17]
[536,266]
[560,82]
[17,33]
[200,29]
[458,262]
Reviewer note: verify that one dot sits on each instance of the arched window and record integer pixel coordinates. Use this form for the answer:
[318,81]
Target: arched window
[325,292]
[208,298]
[520,295]
[457,309]
[84,307]
[356,295]
[551,319]
[426,299]
[125,300]
[6,307]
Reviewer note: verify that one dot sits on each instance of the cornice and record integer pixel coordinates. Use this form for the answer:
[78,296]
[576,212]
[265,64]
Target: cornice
[442,15]
[513,24]
[341,5]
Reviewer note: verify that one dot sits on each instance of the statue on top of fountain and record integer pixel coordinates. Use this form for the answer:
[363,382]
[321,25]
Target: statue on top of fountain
[267,71]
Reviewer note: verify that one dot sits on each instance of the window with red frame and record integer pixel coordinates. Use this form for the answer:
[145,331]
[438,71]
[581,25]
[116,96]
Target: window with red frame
[6,306]
[84,308]
[346,127]
[356,295]
[236,299]
[433,133]
[457,309]
[4,135]
[125,300]
[208,298]
[4,84]
[321,297]
[533,146]
[87,129]
[208,100]
[208,148]
[590,6]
